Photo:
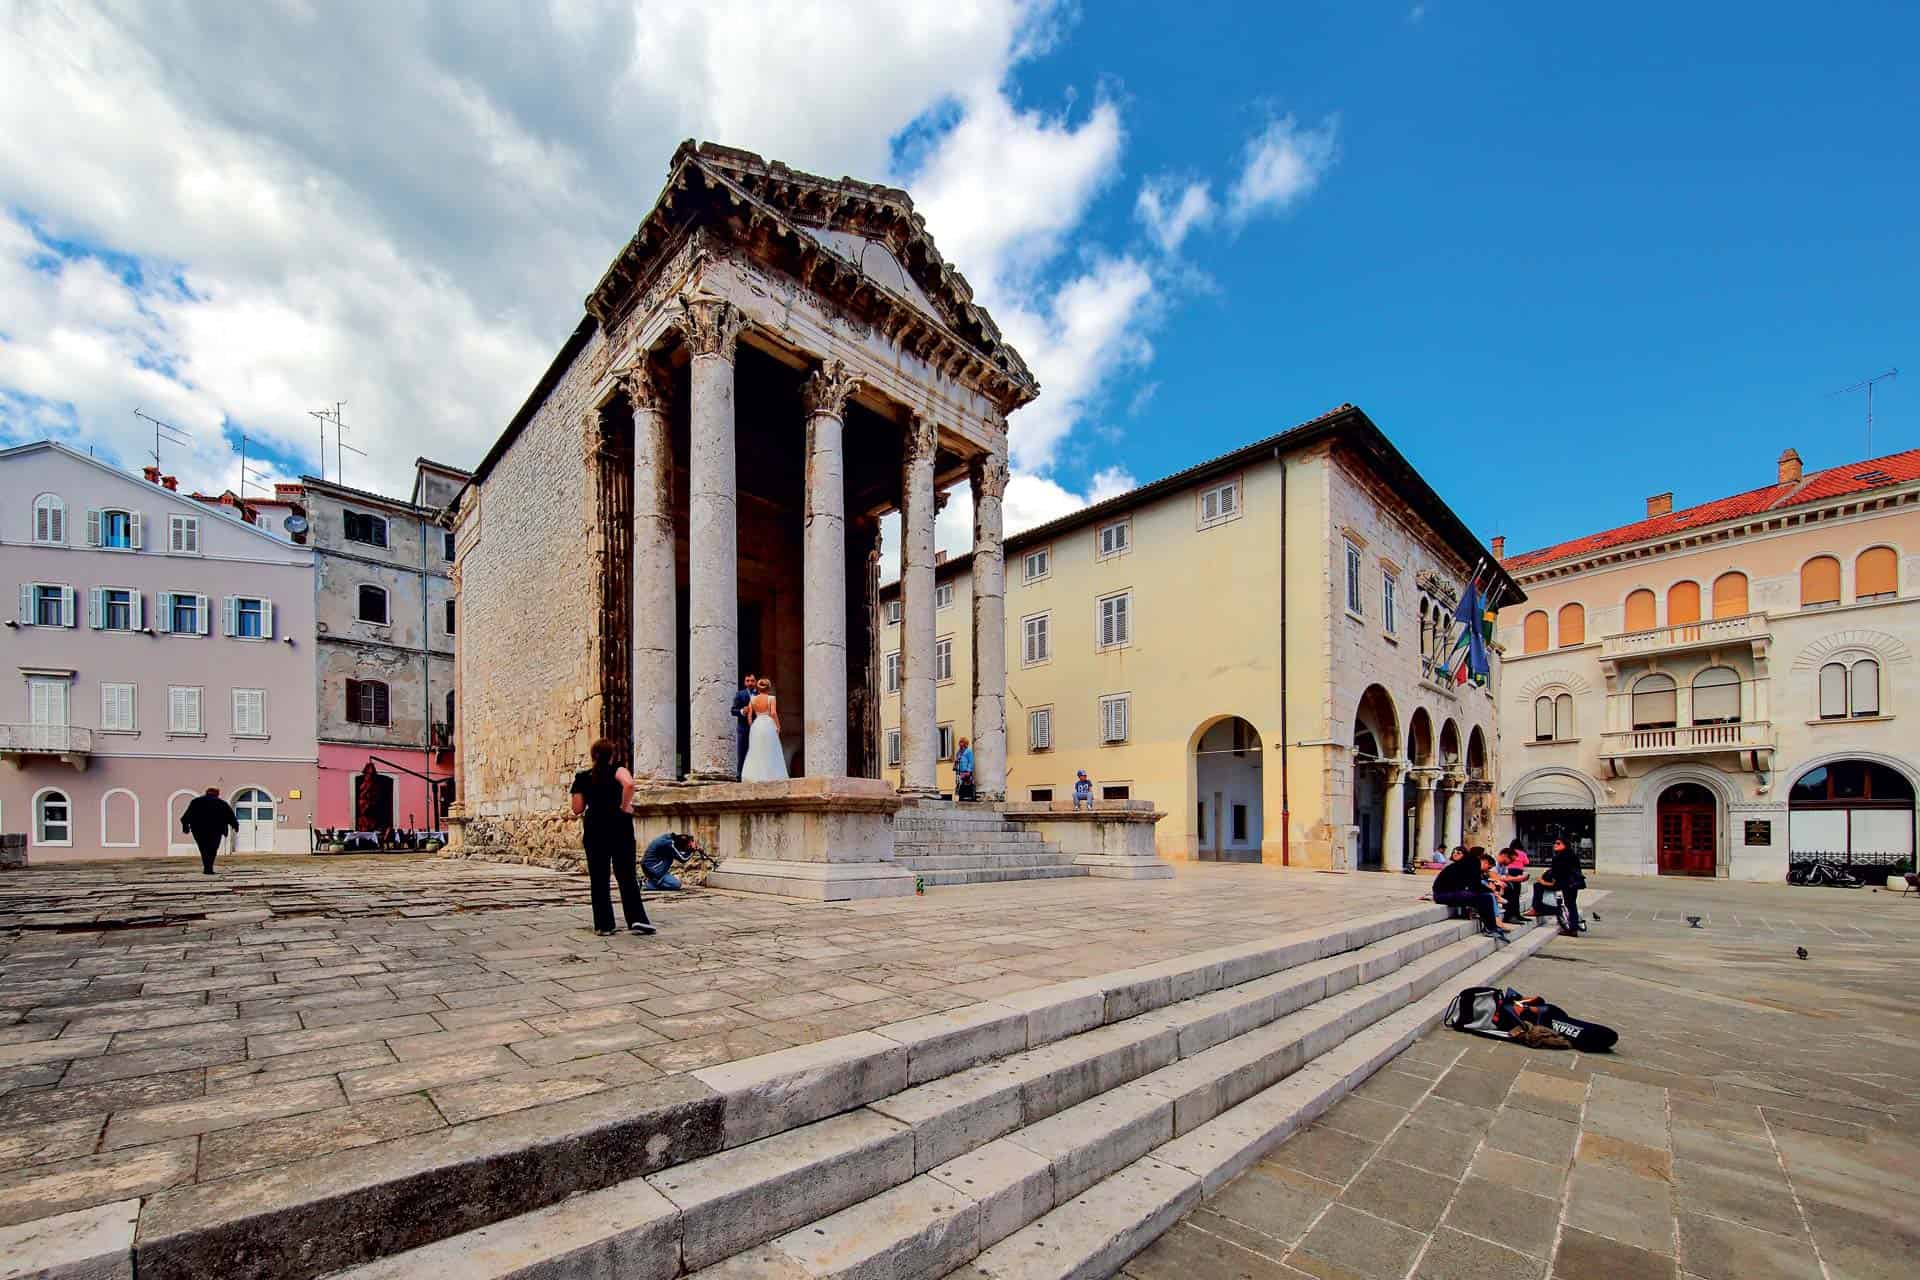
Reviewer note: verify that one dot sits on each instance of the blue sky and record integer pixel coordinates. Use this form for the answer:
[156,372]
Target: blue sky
[1566,257]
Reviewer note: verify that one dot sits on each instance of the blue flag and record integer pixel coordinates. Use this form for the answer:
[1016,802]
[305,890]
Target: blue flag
[1470,616]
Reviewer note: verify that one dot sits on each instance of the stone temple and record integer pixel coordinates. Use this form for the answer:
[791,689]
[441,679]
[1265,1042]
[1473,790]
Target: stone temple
[694,490]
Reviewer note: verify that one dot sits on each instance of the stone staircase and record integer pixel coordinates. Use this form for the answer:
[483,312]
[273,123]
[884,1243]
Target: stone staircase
[1047,1133]
[945,843]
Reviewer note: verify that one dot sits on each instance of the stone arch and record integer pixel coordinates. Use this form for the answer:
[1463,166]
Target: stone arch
[1888,648]
[1476,753]
[1450,743]
[1520,784]
[1420,737]
[1787,778]
[107,823]
[1647,792]
[1226,782]
[1557,677]
[1376,718]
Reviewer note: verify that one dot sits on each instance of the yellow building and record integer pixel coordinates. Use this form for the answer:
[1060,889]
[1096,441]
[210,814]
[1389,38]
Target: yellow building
[1259,635]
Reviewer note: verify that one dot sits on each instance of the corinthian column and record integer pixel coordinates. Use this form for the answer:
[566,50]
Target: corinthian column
[656,628]
[1455,834]
[824,593]
[919,747]
[710,327]
[989,476]
[1393,825]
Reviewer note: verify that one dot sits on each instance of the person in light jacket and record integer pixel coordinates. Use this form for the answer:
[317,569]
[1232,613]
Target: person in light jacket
[963,772]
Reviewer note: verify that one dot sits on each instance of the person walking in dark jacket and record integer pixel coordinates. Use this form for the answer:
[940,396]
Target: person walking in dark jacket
[207,818]
[602,798]
[1462,883]
[1565,878]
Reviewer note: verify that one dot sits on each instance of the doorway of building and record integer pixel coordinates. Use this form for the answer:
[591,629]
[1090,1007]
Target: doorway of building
[1687,831]
[1227,783]
[253,809]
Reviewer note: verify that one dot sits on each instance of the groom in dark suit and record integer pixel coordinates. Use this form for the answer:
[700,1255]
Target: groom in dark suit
[741,697]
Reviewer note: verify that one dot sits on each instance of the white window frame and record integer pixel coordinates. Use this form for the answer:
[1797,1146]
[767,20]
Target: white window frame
[183,535]
[1123,613]
[164,604]
[98,608]
[97,528]
[1356,591]
[386,604]
[246,723]
[1389,602]
[36,824]
[894,753]
[1225,501]
[943,741]
[1112,704]
[1039,729]
[45,688]
[231,622]
[1029,657]
[891,672]
[1114,538]
[110,692]
[55,508]
[30,604]
[1044,556]
[1848,666]
[893,613]
[942,596]
[177,723]
[104,828]
[943,660]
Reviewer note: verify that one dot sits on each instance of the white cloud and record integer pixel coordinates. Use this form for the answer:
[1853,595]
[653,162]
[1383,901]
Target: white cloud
[1168,214]
[1282,164]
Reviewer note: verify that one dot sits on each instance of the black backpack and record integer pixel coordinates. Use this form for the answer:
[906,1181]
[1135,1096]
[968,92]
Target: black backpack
[1477,1010]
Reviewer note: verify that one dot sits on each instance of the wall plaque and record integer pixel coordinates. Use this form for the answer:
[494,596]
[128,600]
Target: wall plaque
[1759,831]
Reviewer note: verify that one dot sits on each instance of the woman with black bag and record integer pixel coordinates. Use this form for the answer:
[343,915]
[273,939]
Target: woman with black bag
[1566,879]
[603,799]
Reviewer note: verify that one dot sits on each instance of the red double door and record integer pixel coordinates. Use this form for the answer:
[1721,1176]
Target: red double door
[1686,818]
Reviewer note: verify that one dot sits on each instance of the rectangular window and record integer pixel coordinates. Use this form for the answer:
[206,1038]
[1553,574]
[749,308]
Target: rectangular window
[943,739]
[1113,718]
[367,702]
[446,544]
[1116,791]
[45,604]
[1116,620]
[249,713]
[943,596]
[1239,824]
[183,709]
[1039,795]
[116,609]
[1036,643]
[116,530]
[893,613]
[1388,616]
[1200,820]
[183,535]
[183,614]
[1543,719]
[893,672]
[249,618]
[1113,538]
[1355,604]
[361,527]
[117,709]
[48,699]
[943,660]
[449,617]
[1037,565]
[1040,729]
[1219,504]
[893,748]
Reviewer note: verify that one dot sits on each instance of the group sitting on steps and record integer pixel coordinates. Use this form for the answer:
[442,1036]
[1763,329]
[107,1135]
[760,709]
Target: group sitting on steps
[1475,880]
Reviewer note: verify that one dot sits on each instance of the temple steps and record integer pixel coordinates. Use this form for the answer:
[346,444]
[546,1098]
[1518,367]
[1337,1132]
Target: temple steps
[1048,1132]
[947,844]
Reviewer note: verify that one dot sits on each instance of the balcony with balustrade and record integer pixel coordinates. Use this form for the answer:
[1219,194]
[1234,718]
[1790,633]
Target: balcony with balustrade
[1712,633]
[22,744]
[1714,711]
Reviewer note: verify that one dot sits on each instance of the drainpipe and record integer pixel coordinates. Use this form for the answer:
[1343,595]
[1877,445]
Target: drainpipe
[1286,816]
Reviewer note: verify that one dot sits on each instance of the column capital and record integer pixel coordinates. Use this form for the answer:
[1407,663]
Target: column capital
[989,476]
[644,390]
[710,326]
[920,437]
[826,390]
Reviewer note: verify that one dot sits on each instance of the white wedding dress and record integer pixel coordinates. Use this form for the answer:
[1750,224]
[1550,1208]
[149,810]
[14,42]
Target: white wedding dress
[766,762]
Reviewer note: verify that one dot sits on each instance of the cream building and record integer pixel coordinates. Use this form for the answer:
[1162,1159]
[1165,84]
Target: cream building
[1251,645]
[1718,690]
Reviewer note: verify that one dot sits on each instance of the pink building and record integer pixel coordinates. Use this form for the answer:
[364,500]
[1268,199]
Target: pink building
[159,647]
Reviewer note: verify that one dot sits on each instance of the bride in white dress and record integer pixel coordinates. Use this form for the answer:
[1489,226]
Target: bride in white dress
[766,762]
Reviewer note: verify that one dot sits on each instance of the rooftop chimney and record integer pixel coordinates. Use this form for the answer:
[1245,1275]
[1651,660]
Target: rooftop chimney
[1660,504]
[288,492]
[1790,467]
[170,483]
[939,557]
[1499,546]
[152,474]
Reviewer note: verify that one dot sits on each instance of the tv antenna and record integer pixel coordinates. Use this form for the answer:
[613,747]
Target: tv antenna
[164,432]
[325,416]
[246,473]
[1866,385]
[341,467]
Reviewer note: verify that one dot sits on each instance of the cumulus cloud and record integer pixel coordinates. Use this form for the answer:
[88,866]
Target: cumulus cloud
[1169,214]
[1281,165]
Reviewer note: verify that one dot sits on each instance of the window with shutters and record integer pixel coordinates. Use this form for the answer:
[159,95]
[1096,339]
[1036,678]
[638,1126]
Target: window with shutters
[373,605]
[183,710]
[1040,729]
[1820,583]
[1683,603]
[117,609]
[183,535]
[1573,625]
[1730,595]
[46,604]
[367,702]
[893,672]
[943,596]
[369,529]
[1036,639]
[113,529]
[1356,605]
[1655,703]
[893,748]
[1037,564]
[249,713]
[893,613]
[183,613]
[1641,607]
[1113,539]
[1389,604]
[1876,574]
[943,741]
[1850,689]
[1113,717]
[943,660]
[1116,620]
[1553,717]
[52,818]
[1219,504]
[1716,696]
[1533,632]
[50,520]
[47,699]
[118,709]
[249,618]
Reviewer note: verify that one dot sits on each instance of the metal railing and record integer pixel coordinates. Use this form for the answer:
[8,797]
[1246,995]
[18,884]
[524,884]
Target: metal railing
[45,739]
[1684,635]
[1739,735]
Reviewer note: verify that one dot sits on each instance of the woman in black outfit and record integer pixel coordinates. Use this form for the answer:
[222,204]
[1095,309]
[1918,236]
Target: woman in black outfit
[1565,878]
[603,799]
[1463,883]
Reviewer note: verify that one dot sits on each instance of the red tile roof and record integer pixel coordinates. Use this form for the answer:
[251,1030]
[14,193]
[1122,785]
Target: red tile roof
[1817,486]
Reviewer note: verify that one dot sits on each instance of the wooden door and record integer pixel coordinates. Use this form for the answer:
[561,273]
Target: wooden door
[1686,836]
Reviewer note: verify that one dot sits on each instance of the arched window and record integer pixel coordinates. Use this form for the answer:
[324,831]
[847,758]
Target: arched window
[1683,603]
[1534,638]
[1820,583]
[120,819]
[1849,688]
[52,818]
[1640,611]
[1716,696]
[50,520]
[1553,717]
[1876,574]
[373,604]
[1655,703]
[1573,625]
[1730,595]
